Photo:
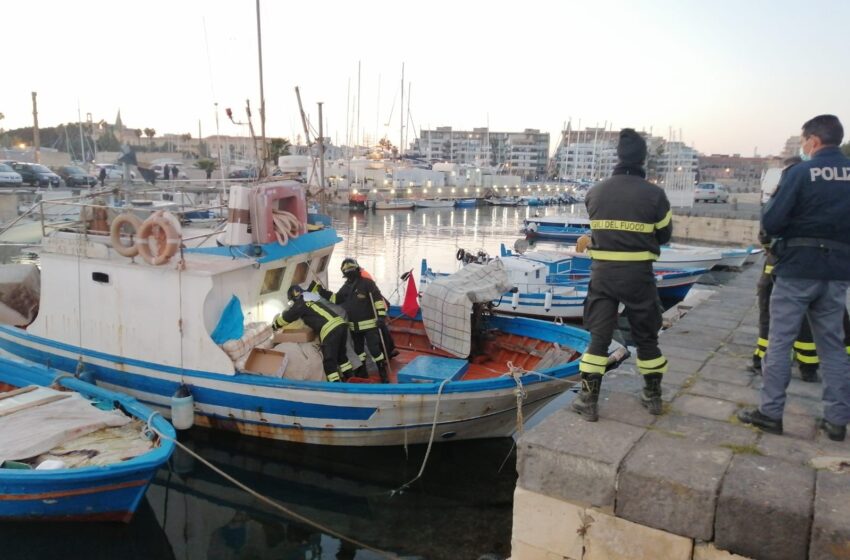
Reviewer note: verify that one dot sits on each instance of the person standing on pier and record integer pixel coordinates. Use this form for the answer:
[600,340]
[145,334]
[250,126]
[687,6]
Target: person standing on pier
[808,219]
[630,218]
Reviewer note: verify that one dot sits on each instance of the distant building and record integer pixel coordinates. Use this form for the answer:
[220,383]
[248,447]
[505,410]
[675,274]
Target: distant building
[792,147]
[525,153]
[732,168]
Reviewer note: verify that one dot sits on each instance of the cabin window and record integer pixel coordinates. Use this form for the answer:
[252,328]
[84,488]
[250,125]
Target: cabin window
[100,277]
[300,274]
[272,280]
[323,264]
[537,273]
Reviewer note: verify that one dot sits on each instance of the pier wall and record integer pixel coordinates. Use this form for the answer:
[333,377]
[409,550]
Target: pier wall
[694,483]
[731,231]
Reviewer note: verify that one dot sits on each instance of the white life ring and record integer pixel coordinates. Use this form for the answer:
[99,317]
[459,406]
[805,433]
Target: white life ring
[158,239]
[115,234]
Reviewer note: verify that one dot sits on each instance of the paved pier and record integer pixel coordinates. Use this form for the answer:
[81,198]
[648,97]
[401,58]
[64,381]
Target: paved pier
[693,483]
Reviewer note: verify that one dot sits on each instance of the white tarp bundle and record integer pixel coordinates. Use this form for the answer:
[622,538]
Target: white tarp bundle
[447,304]
[38,429]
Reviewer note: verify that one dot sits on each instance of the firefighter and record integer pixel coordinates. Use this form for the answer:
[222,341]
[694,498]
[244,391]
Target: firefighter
[630,218]
[330,326]
[362,301]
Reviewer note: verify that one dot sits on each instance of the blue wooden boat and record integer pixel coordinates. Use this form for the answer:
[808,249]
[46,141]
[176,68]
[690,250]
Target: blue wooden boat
[466,202]
[556,228]
[87,493]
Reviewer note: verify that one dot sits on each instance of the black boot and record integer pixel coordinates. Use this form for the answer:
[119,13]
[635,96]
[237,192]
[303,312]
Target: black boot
[809,373]
[650,397]
[835,432]
[382,371]
[361,372]
[756,367]
[586,404]
[756,418]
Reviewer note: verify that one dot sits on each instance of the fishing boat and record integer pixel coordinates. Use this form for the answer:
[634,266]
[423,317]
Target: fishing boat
[571,268]
[529,294]
[729,257]
[71,451]
[393,205]
[754,253]
[466,202]
[141,319]
[434,203]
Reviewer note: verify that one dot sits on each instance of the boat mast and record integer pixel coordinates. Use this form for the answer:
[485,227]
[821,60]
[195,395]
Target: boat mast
[262,94]
[359,137]
[321,157]
[401,114]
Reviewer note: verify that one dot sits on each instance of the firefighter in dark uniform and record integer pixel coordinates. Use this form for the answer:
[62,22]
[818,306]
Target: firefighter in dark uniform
[330,326]
[630,218]
[363,303]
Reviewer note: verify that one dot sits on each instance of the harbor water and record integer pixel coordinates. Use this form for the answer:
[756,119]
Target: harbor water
[461,508]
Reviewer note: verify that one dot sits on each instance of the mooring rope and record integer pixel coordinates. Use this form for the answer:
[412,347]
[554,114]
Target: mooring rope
[268,501]
[404,486]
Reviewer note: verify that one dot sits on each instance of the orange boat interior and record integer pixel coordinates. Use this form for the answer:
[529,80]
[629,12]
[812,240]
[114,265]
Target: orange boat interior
[499,349]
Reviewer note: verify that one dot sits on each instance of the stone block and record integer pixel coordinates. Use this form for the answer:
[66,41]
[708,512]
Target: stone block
[565,457]
[689,353]
[765,508]
[800,388]
[611,538]
[707,551]
[725,391]
[524,551]
[548,524]
[801,452]
[796,425]
[803,406]
[703,431]
[672,484]
[625,408]
[831,525]
[676,379]
[726,361]
[738,375]
[716,409]
[683,365]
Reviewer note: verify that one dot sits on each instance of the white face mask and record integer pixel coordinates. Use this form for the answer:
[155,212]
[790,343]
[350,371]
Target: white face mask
[803,155]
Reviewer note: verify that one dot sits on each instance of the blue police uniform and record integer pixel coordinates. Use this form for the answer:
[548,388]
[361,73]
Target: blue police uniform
[808,220]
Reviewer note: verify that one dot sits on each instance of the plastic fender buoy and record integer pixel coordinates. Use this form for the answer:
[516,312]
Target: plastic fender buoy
[118,223]
[515,299]
[182,408]
[460,254]
[547,301]
[165,238]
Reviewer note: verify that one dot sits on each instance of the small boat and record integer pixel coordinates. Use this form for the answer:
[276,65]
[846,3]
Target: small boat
[86,454]
[393,205]
[729,257]
[755,253]
[145,327]
[466,202]
[434,203]
[506,201]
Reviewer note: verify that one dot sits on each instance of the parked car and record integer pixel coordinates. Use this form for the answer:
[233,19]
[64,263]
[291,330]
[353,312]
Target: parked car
[76,176]
[36,175]
[711,192]
[9,177]
[243,174]
[113,171]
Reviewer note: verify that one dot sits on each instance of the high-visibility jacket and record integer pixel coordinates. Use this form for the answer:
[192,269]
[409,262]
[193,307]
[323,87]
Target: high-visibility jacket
[315,315]
[630,218]
[356,297]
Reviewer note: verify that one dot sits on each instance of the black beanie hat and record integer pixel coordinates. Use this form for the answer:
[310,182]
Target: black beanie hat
[631,149]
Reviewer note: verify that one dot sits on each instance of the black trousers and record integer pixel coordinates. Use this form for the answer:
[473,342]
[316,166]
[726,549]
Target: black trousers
[633,285]
[370,339]
[333,349]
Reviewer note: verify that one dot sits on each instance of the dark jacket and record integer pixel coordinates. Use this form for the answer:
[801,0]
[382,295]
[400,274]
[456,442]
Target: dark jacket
[353,296]
[810,208]
[315,315]
[630,218]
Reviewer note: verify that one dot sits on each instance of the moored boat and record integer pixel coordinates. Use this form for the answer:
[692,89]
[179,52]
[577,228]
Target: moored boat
[63,459]
[144,323]
[434,203]
[393,205]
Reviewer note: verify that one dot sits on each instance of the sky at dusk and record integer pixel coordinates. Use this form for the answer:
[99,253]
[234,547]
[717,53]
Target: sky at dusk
[733,76]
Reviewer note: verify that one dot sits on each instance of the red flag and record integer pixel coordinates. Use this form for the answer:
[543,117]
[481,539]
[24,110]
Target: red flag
[410,307]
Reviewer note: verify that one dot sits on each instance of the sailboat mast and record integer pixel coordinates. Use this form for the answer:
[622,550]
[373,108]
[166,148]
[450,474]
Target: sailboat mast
[401,113]
[262,94]
[80,122]
[358,137]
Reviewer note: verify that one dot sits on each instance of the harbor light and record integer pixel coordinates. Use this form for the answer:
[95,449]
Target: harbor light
[392,191]
[478,190]
[425,190]
[354,191]
[385,182]
[453,190]
[374,191]
[466,190]
[22,145]
[409,191]
[439,190]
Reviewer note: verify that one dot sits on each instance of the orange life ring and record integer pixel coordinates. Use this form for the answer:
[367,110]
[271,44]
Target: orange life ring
[118,223]
[157,239]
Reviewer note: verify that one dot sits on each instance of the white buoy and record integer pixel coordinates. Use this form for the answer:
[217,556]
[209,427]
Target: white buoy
[515,299]
[547,301]
[182,408]
[238,217]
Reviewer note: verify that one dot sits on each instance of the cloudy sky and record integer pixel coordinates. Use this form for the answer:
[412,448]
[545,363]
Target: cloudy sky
[732,75]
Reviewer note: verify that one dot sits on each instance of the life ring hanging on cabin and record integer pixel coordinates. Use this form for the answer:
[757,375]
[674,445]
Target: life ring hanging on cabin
[159,238]
[135,223]
[286,226]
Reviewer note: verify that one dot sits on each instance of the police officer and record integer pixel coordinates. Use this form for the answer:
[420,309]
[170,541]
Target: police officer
[360,298]
[629,219]
[330,326]
[808,219]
